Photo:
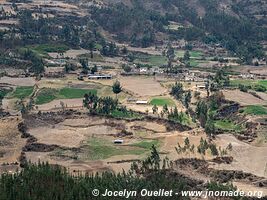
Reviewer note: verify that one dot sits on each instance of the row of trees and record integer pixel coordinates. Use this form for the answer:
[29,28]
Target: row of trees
[103,105]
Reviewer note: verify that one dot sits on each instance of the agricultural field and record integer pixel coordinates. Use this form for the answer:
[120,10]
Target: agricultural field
[161,101]
[249,82]
[228,126]
[255,110]
[49,48]
[153,60]
[141,90]
[22,92]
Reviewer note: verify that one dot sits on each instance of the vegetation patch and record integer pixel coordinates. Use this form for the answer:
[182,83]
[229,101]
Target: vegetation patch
[99,148]
[255,110]
[227,125]
[161,101]
[3,93]
[147,144]
[49,48]
[156,60]
[72,93]
[193,54]
[125,114]
[96,57]
[47,95]
[22,92]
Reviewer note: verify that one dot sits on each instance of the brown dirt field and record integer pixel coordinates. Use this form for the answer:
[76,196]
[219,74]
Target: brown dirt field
[55,104]
[172,139]
[11,142]
[18,81]
[242,98]
[70,134]
[76,132]
[142,86]
[247,158]
[72,53]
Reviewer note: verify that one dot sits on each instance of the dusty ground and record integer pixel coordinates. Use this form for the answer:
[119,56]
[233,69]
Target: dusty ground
[11,143]
[18,81]
[243,98]
[247,158]
[72,53]
[142,86]
[73,133]
[56,104]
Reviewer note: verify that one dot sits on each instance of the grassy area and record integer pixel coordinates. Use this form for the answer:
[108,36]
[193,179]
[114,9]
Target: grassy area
[255,110]
[227,125]
[245,82]
[22,92]
[47,95]
[128,114]
[263,83]
[156,60]
[257,85]
[193,54]
[72,93]
[99,148]
[248,82]
[44,49]
[161,101]
[147,144]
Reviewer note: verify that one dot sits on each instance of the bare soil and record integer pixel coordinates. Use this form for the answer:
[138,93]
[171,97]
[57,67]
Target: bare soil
[242,98]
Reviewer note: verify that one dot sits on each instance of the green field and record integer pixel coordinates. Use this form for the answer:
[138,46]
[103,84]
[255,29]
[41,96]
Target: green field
[44,49]
[22,92]
[227,125]
[161,101]
[193,54]
[127,115]
[46,95]
[248,82]
[254,84]
[255,110]
[147,144]
[156,60]
[98,148]
[263,83]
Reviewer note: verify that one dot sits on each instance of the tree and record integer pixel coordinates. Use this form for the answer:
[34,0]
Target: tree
[91,46]
[94,69]
[165,109]
[187,99]
[177,90]
[170,56]
[202,112]
[116,88]
[126,68]
[210,127]
[213,149]
[186,56]
[155,109]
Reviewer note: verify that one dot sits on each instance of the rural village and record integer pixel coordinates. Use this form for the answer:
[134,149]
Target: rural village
[103,105]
